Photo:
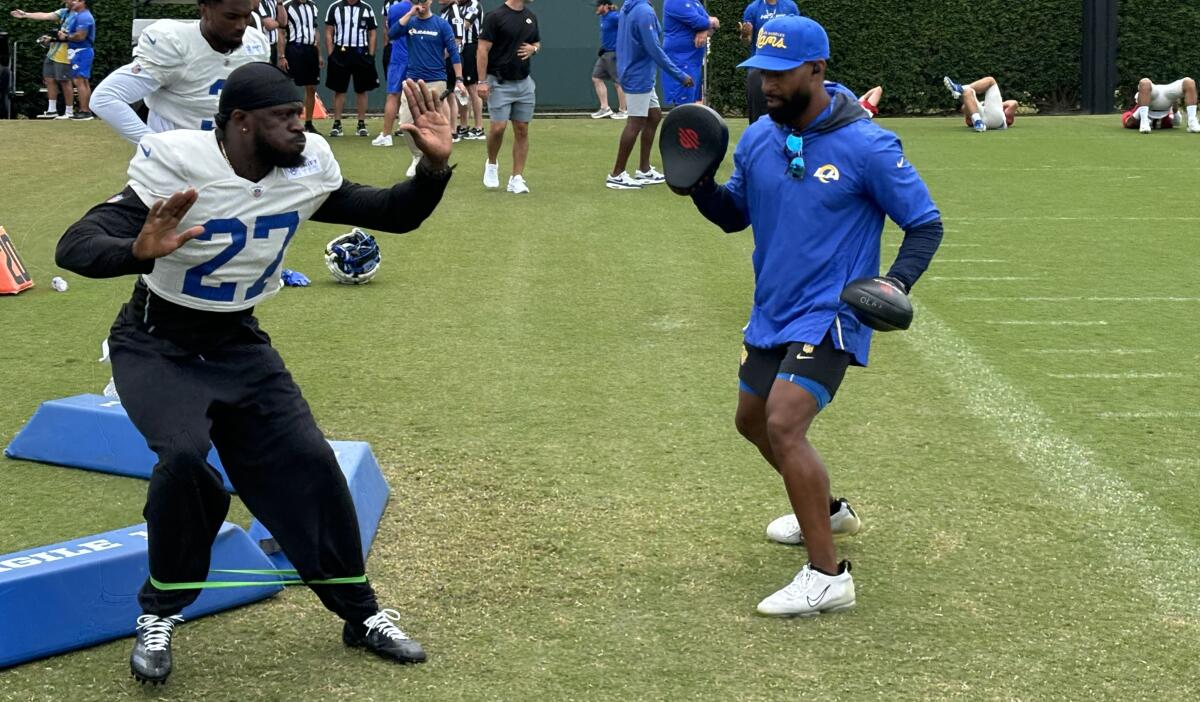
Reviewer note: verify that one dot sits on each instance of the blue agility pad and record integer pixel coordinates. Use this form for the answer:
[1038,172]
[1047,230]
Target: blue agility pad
[94,433]
[84,591]
[368,488]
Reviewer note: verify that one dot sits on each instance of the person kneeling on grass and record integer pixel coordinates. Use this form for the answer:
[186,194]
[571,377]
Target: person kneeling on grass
[1156,106]
[192,366]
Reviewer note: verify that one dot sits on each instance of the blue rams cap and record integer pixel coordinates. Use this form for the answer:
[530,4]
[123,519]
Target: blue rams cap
[787,42]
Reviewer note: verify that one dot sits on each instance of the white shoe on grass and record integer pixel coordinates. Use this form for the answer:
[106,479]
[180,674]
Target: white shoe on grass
[491,175]
[602,113]
[620,114]
[843,522]
[650,177]
[382,140]
[812,592]
[623,182]
[517,185]
[1144,127]
[1193,126]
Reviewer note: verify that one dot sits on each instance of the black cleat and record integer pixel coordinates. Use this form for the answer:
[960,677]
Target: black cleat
[150,661]
[380,636]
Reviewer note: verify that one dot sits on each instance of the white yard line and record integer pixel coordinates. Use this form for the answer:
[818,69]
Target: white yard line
[1143,542]
[1074,299]
[1150,414]
[1047,322]
[1130,375]
[1100,352]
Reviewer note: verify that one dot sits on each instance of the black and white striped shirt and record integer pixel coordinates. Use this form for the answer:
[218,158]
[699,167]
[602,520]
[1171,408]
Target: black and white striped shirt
[464,20]
[302,22]
[350,23]
[267,10]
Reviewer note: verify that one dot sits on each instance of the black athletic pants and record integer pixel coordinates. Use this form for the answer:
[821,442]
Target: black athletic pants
[187,377]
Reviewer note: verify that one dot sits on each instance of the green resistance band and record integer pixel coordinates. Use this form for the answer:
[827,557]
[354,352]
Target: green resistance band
[216,584]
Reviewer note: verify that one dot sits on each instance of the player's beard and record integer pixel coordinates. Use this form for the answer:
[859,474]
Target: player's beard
[791,109]
[276,157]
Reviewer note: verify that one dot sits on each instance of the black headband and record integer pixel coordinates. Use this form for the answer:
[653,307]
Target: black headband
[255,86]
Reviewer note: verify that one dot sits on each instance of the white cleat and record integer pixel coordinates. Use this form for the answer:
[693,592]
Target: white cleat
[786,529]
[412,168]
[1193,126]
[956,90]
[812,592]
[602,113]
[491,175]
[623,182]
[1144,127]
[650,177]
[517,185]
[382,140]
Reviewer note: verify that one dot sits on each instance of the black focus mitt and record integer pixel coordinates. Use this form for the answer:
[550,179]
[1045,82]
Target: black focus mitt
[881,303]
[693,143]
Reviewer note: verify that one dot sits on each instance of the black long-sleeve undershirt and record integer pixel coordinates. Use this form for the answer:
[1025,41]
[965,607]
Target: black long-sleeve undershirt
[100,245]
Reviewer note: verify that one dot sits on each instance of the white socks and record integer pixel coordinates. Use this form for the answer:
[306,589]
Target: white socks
[1191,110]
[53,106]
[1143,114]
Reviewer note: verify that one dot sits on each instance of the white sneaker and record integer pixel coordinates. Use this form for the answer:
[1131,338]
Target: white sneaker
[602,113]
[516,184]
[812,592]
[491,175]
[382,140]
[1144,127]
[620,114]
[48,114]
[412,168]
[1193,126]
[66,115]
[650,177]
[786,529]
[622,182]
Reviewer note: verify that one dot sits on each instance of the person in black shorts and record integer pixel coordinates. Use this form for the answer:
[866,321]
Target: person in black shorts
[465,17]
[299,54]
[350,41]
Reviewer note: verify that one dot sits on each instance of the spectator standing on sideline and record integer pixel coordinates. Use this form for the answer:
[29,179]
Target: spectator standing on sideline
[686,26]
[639,55]
[268,13]
[179,69]
[80,34]
[465,17]
[756,15]
[397,67]
[56,69]
[299,51]
[606,61]
[350,43]
[508,40]
[429,39]
[387,45]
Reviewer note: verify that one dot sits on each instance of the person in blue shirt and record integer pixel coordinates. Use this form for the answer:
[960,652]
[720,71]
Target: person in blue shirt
[80,34]
[814,182]
[606,61]
[639,55]
[686,26]
[397,66]
[756,14]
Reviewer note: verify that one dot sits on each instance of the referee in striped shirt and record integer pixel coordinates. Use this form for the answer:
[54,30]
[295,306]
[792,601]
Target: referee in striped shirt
[350,39]
[465,17]
[268,13]
[299,53]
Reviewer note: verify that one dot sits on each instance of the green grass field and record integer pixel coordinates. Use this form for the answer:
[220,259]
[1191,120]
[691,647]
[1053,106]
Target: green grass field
[549,383]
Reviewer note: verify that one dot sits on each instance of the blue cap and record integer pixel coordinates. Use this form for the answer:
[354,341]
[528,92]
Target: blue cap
[787,42]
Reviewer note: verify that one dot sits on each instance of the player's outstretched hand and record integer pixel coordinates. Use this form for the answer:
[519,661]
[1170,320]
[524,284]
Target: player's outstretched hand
[430,128]
[159,236]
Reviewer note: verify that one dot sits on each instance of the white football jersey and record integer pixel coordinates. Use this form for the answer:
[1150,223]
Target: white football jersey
[189,72]
[236,263]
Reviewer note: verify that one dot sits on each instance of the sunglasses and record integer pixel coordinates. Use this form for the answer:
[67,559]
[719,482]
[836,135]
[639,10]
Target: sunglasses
[793,149]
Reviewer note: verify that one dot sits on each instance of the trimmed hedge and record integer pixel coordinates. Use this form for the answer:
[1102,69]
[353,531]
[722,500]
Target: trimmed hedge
[1032,47]
[114,19]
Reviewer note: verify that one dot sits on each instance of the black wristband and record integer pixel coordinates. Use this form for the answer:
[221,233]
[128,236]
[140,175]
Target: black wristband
[427,171]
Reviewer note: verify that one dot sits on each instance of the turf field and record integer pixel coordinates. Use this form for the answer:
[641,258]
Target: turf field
[549,383]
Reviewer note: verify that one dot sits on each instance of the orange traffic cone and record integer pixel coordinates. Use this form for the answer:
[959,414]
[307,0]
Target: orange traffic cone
[318,110]
[13,276]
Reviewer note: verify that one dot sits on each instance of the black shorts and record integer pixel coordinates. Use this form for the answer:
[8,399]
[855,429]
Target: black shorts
[470,68]
[304,65]
[346,63]
[818,369]
[387,59]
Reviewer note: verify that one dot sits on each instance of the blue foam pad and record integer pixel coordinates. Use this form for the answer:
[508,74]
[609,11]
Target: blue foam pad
[91,432]
[368,488]
[84,591]
[94,433]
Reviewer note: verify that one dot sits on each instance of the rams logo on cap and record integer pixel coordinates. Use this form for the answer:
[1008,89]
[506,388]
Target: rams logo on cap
[827,173]
[772,39]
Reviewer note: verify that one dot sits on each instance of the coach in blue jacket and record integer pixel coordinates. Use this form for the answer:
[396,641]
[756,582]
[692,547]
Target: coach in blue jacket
[686,25]
[814,182]
[638,53]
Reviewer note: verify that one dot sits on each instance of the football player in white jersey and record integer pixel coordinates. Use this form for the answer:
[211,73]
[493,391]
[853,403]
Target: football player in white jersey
[1157,106]
[205,220]
[178,68]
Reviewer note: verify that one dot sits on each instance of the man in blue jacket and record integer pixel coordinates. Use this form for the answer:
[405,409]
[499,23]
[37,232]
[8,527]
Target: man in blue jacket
[638,53]
[687,26]
[814,182]
[606,61]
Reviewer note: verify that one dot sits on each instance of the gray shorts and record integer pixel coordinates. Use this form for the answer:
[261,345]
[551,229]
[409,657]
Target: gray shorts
[606,66]
[57,71]
[512,99]
[640,104]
